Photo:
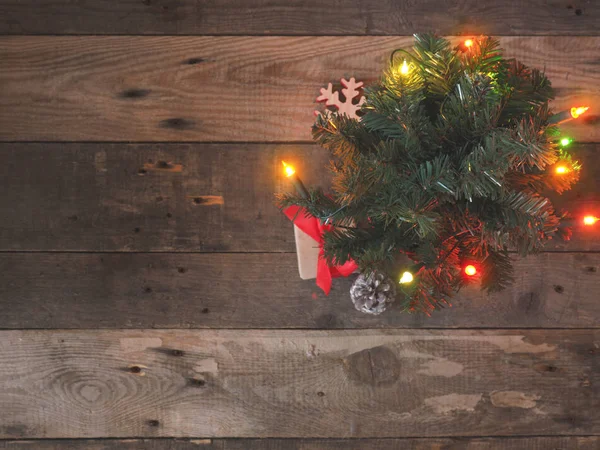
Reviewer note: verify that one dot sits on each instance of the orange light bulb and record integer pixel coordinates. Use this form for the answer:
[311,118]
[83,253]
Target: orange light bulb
[579,110]
[561,170]
[590,220]
[469,43]
[470,270]
[289,170]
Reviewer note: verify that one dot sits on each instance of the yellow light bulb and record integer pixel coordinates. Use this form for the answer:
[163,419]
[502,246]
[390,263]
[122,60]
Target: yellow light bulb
[289,170]
[590,220]
[404,69]
[469,43]
[406,278]
[579,110]
[561,170]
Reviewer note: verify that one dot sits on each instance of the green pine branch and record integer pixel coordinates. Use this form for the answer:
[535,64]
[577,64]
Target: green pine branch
[450,163]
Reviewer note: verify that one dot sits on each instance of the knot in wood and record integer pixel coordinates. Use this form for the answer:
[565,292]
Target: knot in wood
[375,366]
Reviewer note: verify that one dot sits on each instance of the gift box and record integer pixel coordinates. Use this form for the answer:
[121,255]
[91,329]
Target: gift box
[309,232]
[307,250]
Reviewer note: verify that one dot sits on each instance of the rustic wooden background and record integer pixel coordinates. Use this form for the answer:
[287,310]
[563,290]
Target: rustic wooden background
[149,296]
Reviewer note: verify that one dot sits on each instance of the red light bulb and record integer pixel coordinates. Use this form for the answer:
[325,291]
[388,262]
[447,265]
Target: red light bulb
[470,270]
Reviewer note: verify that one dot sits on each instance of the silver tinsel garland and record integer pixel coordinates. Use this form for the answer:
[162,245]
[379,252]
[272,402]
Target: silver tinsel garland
[373,293]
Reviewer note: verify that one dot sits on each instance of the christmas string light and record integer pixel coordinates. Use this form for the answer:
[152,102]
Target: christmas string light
[408,275]
[565,141]
[421,285]
[560,170]
[568,114]
[406,278]
[576,112]
[290,172]
[404,69]
[470,270]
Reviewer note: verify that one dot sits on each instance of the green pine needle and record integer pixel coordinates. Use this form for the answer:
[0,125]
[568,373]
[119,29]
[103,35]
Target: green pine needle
[450,162]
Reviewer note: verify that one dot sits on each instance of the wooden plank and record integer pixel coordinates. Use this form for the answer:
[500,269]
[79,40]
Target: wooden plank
[130,198]
[250,89]
[529,443]
[308,17]
[135,444]
[501,443]
[182,197]
[552,290]
[231,383]
[130,444]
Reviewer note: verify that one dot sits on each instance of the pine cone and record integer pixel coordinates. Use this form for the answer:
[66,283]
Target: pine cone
[373,293]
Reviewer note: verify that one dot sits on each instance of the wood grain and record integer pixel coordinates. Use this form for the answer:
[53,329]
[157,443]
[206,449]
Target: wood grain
[529,443]
[45,290]
[250,89]
[223,383]
[308,17]
[501,443]
[111,197]
[135,444]
[183,197]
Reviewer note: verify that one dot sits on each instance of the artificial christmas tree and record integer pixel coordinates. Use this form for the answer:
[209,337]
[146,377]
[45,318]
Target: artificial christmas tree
[448,165]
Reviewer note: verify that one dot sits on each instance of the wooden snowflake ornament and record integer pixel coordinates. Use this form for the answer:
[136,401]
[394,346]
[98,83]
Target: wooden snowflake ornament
[306,247]
[350,93]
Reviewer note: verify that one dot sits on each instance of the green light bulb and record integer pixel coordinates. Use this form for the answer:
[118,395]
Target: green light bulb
[565,141]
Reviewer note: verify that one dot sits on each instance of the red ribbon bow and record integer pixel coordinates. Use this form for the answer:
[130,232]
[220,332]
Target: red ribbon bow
[315,229]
